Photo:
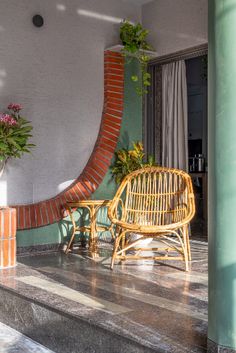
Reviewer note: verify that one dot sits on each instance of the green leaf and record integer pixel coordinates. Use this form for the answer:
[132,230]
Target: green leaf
[3,146]
[134,78]
[13,142]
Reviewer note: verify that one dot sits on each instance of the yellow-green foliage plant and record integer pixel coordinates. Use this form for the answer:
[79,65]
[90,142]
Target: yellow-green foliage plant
[128,160]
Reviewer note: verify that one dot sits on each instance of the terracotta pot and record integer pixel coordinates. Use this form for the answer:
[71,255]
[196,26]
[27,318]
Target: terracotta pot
[7,237]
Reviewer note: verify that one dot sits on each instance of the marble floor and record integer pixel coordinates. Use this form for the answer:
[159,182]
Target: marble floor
[154,304]
[12,341]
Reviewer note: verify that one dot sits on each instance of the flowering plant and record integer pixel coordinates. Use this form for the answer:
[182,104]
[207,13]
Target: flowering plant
[14,134]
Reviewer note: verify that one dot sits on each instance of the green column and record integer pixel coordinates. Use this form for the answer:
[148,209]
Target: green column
[222,173]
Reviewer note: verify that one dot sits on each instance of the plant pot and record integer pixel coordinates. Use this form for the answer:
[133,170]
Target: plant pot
[7,237]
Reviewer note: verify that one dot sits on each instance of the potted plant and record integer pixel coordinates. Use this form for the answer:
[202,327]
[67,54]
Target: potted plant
[15,132]
[127,161]
[133,37]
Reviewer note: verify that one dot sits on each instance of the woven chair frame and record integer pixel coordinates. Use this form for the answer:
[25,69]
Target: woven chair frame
[153,202]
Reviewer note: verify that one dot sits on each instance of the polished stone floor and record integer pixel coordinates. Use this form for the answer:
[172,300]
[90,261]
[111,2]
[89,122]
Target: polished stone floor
[12,341]
[155,304]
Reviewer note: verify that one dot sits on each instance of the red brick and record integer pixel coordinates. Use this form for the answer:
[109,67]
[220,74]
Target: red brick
[114,106]
[59,206]
[74,192]
[114,112]
[112,89]
[113,124]
[96,172]
[112,53]
[63,198]
[110,134]
[102,163]
[38,215]
[27,217]
[21,218]
[109,142]
[106,159]
[107,148]
[115,131]
[111,67]
[50,213]
[17,213]
[83,189]
[111,59]
[113,119]
[115,95]
[44,215]
[106,152]
[32,216]
[89,183]
[114,83]
[62,203]
[113,76]
[69,196]
[93,178]
[55,210]
[100,169]
[113,100]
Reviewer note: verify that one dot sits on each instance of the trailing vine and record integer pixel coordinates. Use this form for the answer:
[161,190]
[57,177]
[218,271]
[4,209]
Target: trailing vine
[133,37]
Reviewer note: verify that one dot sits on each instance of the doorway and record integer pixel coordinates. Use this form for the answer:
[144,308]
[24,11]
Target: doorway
[196,75]
[196,79]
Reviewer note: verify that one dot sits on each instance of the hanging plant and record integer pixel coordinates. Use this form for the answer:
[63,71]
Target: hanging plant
[133,37]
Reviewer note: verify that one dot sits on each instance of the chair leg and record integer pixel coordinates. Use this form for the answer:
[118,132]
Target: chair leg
[182,240]
[186,259]
[185,248]
[70,242]
[123,244]
[73,230]
[188,244]
[116,245]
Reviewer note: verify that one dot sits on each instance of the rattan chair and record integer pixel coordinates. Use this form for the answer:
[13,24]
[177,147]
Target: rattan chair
[153,202]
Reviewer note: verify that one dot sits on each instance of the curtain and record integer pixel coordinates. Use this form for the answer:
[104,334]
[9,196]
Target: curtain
[174,116]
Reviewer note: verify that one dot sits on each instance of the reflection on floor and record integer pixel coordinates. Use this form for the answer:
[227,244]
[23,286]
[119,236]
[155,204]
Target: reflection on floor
[156,305]
[12,341]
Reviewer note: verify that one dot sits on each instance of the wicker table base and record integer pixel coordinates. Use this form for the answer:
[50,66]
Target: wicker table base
[93,207]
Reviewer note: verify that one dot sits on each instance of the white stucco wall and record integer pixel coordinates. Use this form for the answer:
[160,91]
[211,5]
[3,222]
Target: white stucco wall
[56,72]
[175,24]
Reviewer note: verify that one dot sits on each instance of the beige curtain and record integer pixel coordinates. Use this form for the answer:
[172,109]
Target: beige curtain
[174,116]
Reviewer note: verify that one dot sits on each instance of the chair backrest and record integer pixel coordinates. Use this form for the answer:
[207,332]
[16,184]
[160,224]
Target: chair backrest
[156,196]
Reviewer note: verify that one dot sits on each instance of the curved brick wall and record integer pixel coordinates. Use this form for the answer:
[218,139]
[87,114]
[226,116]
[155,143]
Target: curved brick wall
[52,210]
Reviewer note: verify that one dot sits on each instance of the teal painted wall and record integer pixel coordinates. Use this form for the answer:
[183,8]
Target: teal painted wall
[131,130]
[222,172]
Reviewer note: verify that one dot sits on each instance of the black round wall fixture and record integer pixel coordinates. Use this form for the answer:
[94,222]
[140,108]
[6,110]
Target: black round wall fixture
[38,20]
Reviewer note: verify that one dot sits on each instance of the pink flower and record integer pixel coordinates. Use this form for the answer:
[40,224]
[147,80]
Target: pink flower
[15,107]
[7,119]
